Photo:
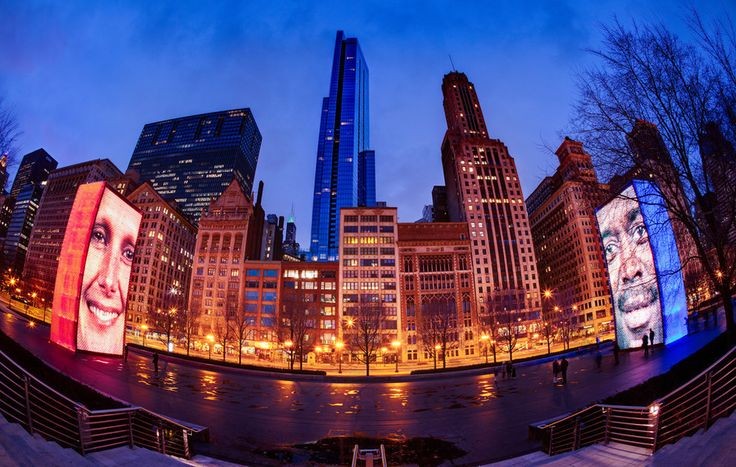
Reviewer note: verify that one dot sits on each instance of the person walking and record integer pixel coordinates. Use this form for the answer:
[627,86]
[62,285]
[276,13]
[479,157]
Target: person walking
[563,368]
[616,350]
[125,353]
[645,344]
[155,361]
[555,371]
[651,337]
[598,360]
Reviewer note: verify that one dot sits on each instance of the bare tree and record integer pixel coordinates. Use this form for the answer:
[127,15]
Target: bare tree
[223,331]
[364,336]
[8,135]
[507,313]
[648,73]
[190,327]
[242,330]
[295,327]
[167,323]
[489,321]
[547,326]
[437,326]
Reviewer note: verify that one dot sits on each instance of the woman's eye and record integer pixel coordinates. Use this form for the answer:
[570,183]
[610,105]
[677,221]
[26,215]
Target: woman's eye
[98,236]
[611,250]
[128,254]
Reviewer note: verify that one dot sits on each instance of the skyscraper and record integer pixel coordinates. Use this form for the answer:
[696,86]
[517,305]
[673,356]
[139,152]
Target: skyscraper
[193,159]
[567,243]
[291,246]
[483,189]
[345,170]
[23,203]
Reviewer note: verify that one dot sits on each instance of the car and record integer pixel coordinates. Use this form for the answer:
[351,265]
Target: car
[18,298]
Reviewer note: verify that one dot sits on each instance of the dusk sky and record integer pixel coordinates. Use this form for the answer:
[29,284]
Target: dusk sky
[84,77]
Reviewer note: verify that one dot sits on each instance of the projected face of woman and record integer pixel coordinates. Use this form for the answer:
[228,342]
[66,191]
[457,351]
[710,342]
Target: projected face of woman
[106,276]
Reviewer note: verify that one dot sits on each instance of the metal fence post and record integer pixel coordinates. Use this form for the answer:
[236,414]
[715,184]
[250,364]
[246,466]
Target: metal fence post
[82,428]
[608,425]
[709,389]
[130,428]
[551,438]
[163,437]
[576,434]
[655,429]
[29,416]
[185,439]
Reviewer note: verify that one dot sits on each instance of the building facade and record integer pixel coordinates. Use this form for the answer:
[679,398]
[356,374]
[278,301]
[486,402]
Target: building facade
[345,169]
[570,257]
[162,267]
[193,159]
[216,292]
[438,305]
[272,239]
[49,228]
[483,190]
[308,307]
[369,274]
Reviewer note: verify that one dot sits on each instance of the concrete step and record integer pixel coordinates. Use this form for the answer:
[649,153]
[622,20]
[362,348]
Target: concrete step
[133,457]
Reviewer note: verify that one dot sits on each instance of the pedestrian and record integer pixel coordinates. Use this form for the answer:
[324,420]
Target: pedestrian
[615,352]
[598,359]
[155,361]
[555,371]
[125,353]
[597,342]
[645,344]
[563,368]
[651,337]
[509,369]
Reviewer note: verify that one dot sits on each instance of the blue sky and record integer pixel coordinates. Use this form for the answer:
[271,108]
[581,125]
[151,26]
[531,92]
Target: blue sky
[84,77]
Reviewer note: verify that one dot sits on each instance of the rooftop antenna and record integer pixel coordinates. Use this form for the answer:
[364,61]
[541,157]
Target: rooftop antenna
[451,62]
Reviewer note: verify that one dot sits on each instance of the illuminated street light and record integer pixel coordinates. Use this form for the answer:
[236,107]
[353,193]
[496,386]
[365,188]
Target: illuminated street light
[436,350]
[288,344]
[484,338]
[211,340]
[547,293]
[339,345]
[396,344]
[144,328]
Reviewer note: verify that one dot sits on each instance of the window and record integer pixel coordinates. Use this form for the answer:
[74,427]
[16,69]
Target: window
[253,272]
[270,273]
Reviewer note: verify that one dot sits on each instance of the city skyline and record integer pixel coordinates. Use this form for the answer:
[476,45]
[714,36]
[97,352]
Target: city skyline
[85,85]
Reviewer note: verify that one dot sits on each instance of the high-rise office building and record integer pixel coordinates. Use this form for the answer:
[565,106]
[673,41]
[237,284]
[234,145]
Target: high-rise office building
[369,275]
[23,201]
[291,246]
[3,172]
[567,242]
[345,171]
[49,228]
[483,190]
[193,159]
[273,237]
[162,267]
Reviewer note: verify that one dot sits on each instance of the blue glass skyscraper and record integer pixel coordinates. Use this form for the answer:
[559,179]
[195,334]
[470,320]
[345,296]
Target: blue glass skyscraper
[345,170]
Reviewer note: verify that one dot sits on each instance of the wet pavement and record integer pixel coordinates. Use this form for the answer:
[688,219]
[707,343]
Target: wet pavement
[248,414]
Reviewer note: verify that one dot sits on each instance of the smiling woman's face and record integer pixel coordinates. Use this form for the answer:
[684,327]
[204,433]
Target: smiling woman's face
[104,291]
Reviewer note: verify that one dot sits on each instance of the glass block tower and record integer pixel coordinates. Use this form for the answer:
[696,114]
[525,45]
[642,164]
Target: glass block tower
[345,171]
[192,160]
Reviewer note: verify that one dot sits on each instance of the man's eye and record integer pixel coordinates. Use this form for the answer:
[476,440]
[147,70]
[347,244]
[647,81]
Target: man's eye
[639,233]
[611,250]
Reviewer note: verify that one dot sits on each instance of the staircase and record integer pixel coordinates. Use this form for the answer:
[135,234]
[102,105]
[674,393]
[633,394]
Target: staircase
[717,446]
[714,447]
[19,448]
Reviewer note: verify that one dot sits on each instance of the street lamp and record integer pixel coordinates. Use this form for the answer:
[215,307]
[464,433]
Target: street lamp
[436,350]
[144,328]
[339,345]
[211,340]
[484,338]
[396,344]
[288,344]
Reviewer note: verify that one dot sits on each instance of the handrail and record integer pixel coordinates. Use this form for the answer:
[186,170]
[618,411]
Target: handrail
[41,409]
[666,420]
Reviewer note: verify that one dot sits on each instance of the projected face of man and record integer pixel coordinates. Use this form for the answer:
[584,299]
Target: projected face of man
[106,276]
[631,268]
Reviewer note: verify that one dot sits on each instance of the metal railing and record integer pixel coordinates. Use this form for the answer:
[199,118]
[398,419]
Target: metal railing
[26,400]
[689,408]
